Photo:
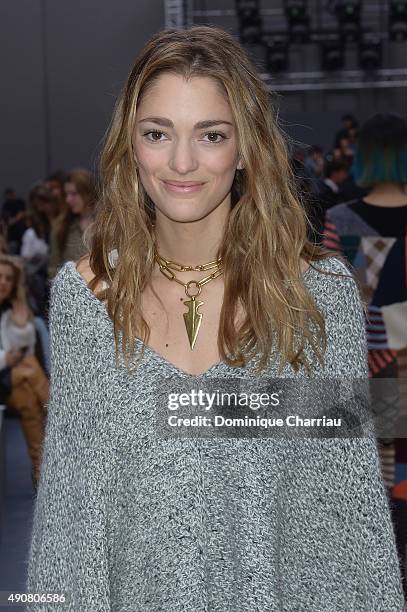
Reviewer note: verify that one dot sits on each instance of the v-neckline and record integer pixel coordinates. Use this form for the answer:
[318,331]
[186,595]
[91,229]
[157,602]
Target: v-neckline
[71,266]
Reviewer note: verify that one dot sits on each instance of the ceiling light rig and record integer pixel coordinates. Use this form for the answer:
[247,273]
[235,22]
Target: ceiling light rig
[332,55]
[348,13]
[298,20]
[250,22]
[347,40]
[370,52]
[398,20]
[277,51]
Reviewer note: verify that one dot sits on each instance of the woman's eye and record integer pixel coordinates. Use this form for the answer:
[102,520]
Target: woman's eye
[222,137]
[219,137]
[152,132]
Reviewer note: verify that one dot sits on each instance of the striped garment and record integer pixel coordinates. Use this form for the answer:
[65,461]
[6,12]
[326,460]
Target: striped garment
[374,241]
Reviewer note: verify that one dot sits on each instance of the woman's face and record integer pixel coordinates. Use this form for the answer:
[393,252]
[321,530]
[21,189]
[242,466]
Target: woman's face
[169,146]
[41,205]
[56,189]
[6,281]
[74,199]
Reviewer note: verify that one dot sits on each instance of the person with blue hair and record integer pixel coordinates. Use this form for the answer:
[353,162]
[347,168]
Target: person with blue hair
[371,232]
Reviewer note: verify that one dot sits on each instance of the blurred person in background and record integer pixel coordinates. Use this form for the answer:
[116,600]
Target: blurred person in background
[314,163]
[13,218]
[3,243]
[9,194]
[68,228]
[335,174]
[352,137]
[55,183]
[44,204]
[371,232]
[24,383]
[349,125]
[329,194]
[346,151]
[34,252]
[347,188]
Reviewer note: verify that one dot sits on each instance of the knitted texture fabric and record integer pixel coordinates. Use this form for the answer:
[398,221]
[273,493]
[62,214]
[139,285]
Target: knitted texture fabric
[127,521]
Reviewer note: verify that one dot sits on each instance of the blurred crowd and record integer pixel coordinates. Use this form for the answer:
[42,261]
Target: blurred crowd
[37,235]
[327,178]
[356,201]
[47,230]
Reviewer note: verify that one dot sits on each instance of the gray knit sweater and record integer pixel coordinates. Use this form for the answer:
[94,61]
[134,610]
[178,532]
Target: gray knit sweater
[127,521]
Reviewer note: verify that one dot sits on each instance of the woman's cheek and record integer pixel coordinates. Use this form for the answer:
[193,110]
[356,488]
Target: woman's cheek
[151,161]
[223,162]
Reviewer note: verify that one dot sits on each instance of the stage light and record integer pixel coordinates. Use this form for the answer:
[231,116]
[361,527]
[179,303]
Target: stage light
[250,22]
[277,56]
[348,14]
[398,20]
[298,20]
[332,55]
[370,52]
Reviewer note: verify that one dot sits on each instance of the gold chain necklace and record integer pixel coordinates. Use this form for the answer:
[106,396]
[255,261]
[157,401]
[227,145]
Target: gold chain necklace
[192,318]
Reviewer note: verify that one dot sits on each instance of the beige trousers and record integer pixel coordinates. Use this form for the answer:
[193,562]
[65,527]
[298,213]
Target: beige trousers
[29,395]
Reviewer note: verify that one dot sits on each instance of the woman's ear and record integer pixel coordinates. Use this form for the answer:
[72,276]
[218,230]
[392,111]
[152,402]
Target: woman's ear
[240,165]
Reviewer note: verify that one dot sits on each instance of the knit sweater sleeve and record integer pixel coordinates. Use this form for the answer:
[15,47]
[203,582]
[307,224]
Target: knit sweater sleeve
[338,545]
[67,553]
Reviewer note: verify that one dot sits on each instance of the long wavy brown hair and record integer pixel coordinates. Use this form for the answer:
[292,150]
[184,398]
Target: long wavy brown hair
[266,233]
[86,186]
[18,291]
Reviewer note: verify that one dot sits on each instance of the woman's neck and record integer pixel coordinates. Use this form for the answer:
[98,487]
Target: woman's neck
[387,194]
[192,243]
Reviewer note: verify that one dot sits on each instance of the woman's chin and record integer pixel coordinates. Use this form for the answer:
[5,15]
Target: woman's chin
[184,216]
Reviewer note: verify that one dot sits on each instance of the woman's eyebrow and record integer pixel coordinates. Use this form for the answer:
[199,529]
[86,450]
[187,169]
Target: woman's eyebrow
[198,126]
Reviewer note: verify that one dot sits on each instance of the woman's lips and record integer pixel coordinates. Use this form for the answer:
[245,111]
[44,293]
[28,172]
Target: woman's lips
[173,188]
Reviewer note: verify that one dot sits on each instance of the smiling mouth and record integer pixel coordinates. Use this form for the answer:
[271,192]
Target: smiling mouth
[186,187]
[182,184]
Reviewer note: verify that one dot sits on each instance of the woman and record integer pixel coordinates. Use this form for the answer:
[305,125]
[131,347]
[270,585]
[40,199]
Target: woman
[34,253]
[55,183]
[371,231]
[195,172]
[23,382]
[67,232]
[44,204]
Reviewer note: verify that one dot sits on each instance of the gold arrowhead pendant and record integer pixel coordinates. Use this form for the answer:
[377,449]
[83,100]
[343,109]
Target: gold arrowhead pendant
[192,319]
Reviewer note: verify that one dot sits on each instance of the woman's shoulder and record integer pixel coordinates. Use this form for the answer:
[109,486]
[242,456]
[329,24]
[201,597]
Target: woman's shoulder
[71,271]
[348,218]
[82,266]
[330,281]
[344,208]
[69,287]
[327,268]
[75,313]
[337,297]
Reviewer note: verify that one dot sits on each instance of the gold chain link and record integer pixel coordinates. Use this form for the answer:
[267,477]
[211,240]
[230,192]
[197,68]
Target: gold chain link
[166,264]
[173,265]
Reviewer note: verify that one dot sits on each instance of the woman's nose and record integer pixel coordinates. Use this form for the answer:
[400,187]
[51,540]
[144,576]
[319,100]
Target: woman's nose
[183,158]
